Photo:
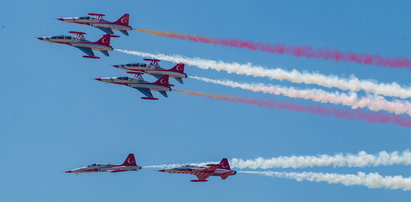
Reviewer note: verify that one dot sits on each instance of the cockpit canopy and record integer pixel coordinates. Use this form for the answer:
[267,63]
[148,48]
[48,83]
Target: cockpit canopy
[94,164]
[62,37]
[85,18]
[123,78]
[137,64]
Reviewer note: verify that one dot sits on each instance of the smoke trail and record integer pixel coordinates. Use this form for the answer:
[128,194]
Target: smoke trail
[352,83]
[372,102]
[297,51]
[361,159]
[372,180]
[167,166]
[341,114]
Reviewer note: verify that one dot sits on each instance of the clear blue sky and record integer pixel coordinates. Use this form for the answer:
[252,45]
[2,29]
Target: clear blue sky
[55,117]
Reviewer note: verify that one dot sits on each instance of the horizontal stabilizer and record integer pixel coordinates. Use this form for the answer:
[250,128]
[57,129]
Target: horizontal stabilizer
[124,32]
[164,93]
[105,53]
[179,80]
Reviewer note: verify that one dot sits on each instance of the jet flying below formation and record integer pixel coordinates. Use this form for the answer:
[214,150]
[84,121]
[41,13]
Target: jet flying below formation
[161,85]
[128,165]
[177,72]
[222,169]
[102,45]
[121,24]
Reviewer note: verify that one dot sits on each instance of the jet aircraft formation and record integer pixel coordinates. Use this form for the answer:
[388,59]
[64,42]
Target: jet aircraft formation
[103,45]
[137,82]
[222,169]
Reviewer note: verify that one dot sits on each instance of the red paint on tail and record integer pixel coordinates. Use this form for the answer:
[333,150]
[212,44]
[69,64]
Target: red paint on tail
[123,20]
[222,165]
[163,81]
[178,68]
[105,40]
[130,161]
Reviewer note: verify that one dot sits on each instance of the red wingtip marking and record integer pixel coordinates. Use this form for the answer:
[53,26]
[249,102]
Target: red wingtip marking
[153,60]
[74,32]
[149,98]
[91,57]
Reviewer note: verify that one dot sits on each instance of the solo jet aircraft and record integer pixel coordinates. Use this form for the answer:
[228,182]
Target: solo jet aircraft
[128,165]
[222,169]
[177,72]
[161,85]
[102,45]
[121,24]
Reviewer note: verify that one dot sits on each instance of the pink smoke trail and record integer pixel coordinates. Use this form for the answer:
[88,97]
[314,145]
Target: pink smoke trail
[297,51]
[341,114]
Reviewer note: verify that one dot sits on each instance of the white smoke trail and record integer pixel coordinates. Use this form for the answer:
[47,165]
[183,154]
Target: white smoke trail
[361,159]
[372,102]
[167,166]
[352,83]
[372,180]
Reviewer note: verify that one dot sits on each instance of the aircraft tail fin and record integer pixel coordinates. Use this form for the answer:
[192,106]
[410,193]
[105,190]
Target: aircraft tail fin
[130,161]
[222,165]
[105,39]
[163,81]
[123,20]
[178,68]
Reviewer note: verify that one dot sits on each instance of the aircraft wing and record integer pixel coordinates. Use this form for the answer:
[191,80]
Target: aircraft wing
[116,171]
[106,30]
[202,177]
[145,91]
[88,51]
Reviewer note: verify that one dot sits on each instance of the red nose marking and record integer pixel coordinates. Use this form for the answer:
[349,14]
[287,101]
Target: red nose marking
[69,171]
[40,38]
[98,79]
[61,19]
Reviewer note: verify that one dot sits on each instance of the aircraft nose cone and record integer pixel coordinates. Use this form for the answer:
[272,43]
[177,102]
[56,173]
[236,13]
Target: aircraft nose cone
[116,66]
[162,170]
[61,19]
[69,171]
[98,79]
[40,38]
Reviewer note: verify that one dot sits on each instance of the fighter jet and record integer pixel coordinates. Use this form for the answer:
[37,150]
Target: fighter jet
[177,72]
[103,44]
[121,24]
[128,165]
[222,169]
[161,85]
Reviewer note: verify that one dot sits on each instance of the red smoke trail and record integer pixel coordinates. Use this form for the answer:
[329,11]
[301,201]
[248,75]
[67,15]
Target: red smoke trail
[298,51]
[341,114]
